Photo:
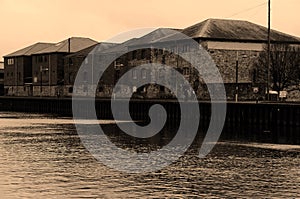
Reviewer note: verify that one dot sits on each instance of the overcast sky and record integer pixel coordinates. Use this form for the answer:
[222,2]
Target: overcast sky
[26,22]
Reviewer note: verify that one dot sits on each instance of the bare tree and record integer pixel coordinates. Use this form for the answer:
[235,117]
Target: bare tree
[284,66]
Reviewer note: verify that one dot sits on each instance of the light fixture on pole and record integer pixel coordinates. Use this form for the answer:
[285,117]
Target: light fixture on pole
[237,77]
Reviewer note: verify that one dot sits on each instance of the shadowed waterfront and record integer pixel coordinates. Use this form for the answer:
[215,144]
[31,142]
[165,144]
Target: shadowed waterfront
[262,122]
[42,156]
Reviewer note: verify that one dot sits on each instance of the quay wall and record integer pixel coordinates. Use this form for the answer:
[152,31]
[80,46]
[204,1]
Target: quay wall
[255,122]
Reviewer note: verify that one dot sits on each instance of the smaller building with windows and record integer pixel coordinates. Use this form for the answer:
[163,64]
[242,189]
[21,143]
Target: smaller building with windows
[18,70]
[38,70]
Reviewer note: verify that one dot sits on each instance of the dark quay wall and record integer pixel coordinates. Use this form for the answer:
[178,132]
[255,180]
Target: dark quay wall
[245,121]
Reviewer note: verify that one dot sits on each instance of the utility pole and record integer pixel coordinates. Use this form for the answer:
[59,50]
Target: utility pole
[269,49]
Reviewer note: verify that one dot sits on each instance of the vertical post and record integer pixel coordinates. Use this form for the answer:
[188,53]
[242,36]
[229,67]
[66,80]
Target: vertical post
[69,45]
[69,59]
[177,64]
[41,80]
[237,77]
[268,57]
[93,72]
[17,75]
[49,75]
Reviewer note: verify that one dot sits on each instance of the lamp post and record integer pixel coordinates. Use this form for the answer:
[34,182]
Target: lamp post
[41,80]
[237,77]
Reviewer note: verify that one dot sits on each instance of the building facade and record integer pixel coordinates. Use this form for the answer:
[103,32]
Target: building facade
[18,70]
[234,46]
[38,70]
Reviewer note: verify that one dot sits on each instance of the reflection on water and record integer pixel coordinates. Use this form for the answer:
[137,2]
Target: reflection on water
[42,156]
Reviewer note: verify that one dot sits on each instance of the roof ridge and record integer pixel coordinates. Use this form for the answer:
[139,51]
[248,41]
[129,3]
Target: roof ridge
[274,30]
[43,43]
[235,29]
[30,47]
[205,26]
[64,43]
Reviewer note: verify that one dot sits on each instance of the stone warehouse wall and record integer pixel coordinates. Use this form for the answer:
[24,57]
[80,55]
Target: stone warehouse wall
[226,61]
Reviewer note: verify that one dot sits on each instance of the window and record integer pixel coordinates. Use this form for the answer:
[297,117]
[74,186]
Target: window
[70,61]
[254,75]
[42,58]
[10,61]
[156,52]
[134,74]
[185,48]
[173,73]
[143,54]
[161,73]
[69,77]
[144,73]
[100,89]
[173,49]
[71,89]
[133,54]
[186,71]
[161,88]
[163,59]
[117,75]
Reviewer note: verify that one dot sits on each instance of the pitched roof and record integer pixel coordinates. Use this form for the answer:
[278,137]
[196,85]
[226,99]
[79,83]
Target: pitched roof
[76,44]
[154,36]
[86,51]
[119,48]
[30,50]
[235,30]
[144,40]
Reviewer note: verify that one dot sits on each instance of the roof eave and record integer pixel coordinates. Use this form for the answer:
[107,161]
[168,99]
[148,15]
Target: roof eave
[244,40]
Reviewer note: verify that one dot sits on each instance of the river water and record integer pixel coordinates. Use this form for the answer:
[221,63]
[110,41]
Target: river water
[42,157]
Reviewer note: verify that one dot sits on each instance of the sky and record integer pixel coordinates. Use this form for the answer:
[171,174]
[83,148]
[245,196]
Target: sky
[26,22]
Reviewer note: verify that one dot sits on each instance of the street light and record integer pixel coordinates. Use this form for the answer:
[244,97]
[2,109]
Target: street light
[41,74]
[244,56]
[237,77]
